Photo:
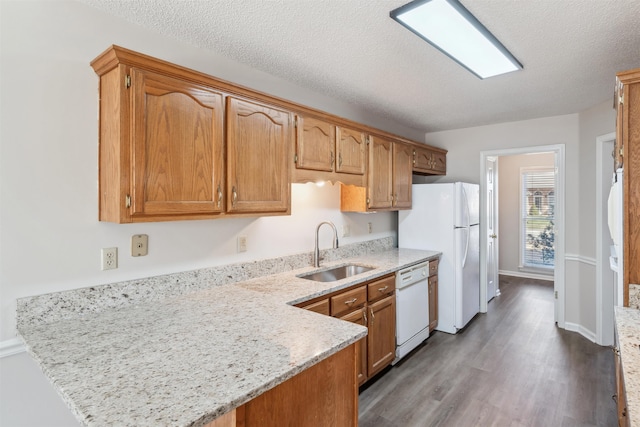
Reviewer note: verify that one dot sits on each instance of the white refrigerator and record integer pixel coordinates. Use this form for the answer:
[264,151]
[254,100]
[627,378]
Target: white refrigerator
[445,218]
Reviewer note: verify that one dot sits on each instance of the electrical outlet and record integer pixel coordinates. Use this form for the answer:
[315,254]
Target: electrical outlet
[370,227]
[139,245]
[346,230]
[242,243]
[109,258]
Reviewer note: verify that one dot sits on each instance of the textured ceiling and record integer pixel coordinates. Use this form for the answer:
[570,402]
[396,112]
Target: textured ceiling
[351,50]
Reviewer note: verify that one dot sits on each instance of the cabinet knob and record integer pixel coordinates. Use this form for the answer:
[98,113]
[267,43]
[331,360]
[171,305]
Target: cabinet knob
[234,197]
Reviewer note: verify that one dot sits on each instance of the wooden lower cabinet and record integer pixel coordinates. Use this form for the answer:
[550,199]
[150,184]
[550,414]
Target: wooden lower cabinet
[620,396]
[381,342]
[433,294]
[371,304]
[325,395]
[359,317]
[320,306]
[433,303]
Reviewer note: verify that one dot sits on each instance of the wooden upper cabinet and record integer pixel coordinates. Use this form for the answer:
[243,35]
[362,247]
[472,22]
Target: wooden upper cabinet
[315,144]
[628,140]
[258,141]
[402,175]
[380,173]
[389,178]
[177,163]
[350,149]
[429,161]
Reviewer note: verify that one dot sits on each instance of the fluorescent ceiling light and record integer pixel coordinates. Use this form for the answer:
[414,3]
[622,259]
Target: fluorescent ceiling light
[451,28]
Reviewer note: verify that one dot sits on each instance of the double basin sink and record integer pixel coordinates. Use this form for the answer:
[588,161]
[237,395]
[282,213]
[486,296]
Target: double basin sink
[336,273]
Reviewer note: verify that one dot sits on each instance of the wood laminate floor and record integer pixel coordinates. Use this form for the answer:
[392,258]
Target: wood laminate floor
[509,367]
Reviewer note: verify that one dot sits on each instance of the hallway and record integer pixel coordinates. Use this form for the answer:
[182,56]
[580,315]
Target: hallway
[509,367]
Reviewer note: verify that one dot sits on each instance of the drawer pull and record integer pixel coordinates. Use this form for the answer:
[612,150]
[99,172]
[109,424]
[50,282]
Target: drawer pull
[351,301]
[383,289]
[364,315]
[373,317]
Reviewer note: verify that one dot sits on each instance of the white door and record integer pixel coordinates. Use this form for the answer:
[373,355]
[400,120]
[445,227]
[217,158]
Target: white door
[492,228]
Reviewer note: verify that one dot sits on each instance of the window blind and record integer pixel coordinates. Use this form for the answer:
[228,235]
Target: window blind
[538,207]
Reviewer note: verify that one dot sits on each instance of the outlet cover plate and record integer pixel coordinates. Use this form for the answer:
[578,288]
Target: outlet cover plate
[109,258]
[139,245]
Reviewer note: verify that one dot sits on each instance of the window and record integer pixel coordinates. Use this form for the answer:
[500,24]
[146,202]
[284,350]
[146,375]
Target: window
[537,197]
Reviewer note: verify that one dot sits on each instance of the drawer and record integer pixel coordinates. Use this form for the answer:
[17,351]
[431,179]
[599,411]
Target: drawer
[348,301]
[321,306]
[381,288]
[433,267]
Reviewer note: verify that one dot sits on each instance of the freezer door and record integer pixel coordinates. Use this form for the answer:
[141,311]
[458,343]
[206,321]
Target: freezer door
[472,192]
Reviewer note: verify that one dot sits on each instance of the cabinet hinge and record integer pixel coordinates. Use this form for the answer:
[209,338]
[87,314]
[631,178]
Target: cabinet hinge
[621,151]
[295,159]
[368,201]
[295,122]
[127,81]
[621,99]
[127,201]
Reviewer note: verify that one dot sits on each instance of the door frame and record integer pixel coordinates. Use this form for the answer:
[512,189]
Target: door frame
[496,227]
[604,318]
[559,270]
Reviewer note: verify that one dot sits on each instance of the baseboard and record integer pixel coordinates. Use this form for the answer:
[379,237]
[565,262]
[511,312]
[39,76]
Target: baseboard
[526,275]
[11,347]
[574,327]
[580,258]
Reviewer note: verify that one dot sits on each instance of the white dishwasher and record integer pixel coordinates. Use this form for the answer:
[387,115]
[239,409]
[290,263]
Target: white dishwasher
[412,308]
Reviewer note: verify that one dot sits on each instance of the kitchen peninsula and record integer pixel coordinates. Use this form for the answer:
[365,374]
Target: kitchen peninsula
[188,359]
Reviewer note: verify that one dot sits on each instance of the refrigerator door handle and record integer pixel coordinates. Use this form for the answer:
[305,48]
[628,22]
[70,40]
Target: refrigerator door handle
[466,248]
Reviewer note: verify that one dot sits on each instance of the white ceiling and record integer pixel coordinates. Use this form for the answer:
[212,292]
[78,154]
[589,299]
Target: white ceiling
[353,51]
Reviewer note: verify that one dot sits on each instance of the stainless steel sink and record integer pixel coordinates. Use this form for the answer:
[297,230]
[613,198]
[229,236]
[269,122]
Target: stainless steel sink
[336,273]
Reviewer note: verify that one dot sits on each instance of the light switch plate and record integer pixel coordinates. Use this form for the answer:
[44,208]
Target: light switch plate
[139,245]
[242,244]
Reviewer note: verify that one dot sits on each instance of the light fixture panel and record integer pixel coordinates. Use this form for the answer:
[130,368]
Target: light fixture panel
[452,29]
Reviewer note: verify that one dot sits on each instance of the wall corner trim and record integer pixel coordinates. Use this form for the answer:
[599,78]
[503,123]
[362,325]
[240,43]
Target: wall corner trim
[574,327]
[11,347]
[580,258]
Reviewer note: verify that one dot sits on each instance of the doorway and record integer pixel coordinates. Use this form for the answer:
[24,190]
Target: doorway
[605,282]
[488,206]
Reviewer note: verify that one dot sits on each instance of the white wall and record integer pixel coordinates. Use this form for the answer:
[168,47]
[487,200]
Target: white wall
[50,235]
[509,204]
[465,145]
[594,122]
[51,238]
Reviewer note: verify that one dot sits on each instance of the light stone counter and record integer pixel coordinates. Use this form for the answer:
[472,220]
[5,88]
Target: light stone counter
[628,332]
[187,359]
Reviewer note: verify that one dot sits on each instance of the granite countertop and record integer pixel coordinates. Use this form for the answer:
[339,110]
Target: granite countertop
[628,333]
[185,360]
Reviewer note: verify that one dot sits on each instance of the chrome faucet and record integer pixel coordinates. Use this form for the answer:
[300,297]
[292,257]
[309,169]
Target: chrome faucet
[316,252]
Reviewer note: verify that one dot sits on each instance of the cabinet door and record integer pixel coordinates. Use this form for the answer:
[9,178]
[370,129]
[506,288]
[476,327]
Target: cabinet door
[381,342]
[439,162]
[350,151]
[433,302]
[315,144]
[429,161]
[258,141]
[380,173]
[402,175]
[360,317]
[177,147]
